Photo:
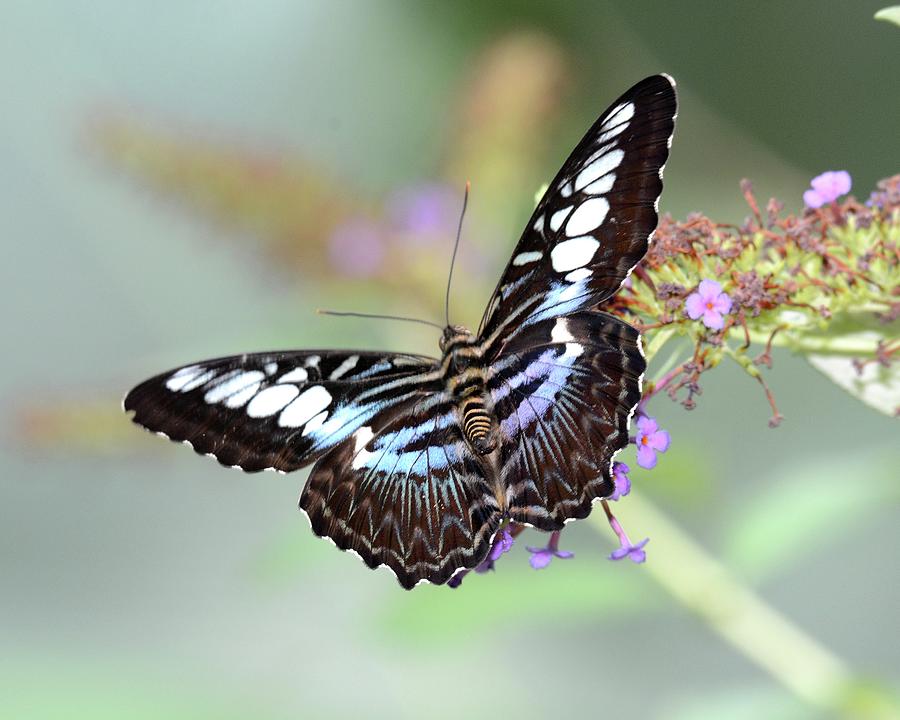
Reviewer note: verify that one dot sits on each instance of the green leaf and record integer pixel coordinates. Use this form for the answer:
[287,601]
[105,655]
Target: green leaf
[889,14]
[877,386]
[777,529]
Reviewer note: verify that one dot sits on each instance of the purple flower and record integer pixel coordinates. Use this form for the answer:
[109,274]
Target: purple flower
[541,557]
[356,248]
[709,303]
[620,480]
[827,187]
[650,440]
[503,543]
[633,551]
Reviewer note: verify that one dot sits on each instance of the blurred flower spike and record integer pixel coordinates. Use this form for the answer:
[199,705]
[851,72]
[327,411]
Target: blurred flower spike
[827,188]
[709,304]
[650,440]
[357,248]
[426,214]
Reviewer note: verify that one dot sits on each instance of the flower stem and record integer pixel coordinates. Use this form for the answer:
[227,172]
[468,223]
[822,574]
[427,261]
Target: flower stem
[744,620]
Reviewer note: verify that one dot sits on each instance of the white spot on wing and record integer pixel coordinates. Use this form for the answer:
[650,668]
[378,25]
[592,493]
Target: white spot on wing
[605,163]
[315,423]
[240,398]
[573,350]
[271,400]
[199,381]
[298,375]
[344,367]
[527,257]
[620,115]
[560,332]
[271,368]
[601,186]
[574,253]
[183,377]
[232,384]
[361,438]
[309,404]
[579,274]
[587,217]
[605,137]
[556,220]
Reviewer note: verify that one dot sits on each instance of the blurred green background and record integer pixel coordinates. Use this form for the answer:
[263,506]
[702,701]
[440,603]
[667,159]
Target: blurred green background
[186,180]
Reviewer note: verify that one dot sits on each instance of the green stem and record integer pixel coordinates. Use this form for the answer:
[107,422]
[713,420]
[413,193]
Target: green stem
[744,620]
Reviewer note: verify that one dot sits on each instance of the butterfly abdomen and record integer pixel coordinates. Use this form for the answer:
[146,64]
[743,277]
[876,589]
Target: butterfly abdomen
[478,425]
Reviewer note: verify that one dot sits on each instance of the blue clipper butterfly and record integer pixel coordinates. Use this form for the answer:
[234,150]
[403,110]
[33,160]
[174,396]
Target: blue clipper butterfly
[418,460]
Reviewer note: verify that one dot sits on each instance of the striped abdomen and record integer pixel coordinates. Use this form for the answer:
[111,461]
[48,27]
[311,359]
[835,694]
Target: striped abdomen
[478,425]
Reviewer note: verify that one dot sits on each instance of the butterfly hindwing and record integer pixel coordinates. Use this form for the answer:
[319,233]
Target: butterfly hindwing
[406,492]
[563,394]
[594,222]
[277,410]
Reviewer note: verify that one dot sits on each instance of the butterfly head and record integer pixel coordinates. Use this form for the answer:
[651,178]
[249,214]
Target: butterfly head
[455,336]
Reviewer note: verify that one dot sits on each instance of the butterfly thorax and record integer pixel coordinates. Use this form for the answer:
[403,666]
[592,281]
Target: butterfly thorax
[465,382]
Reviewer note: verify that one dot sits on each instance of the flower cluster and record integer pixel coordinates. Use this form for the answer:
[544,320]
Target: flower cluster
[804,282]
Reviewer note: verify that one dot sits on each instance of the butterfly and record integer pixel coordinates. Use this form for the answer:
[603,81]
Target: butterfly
[419,461]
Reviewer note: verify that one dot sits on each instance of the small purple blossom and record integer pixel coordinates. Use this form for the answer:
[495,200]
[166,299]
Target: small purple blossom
[620,480]
[356,248]
[708,303]
[633,551]
[827,187]
[541,557]
[503,543]
[650,440]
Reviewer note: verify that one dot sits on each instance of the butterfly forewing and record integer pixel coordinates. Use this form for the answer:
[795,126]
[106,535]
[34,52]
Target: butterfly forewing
[594,222]
[277,410]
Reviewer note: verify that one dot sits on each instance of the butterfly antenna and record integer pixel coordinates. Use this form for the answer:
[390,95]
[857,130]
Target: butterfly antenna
[455,248]
[339,313]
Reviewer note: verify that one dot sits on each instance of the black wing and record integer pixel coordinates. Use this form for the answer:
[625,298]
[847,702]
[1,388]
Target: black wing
[563,394]
[277,410]
[395,481]
[594,223]
[406,492]
[565,377]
